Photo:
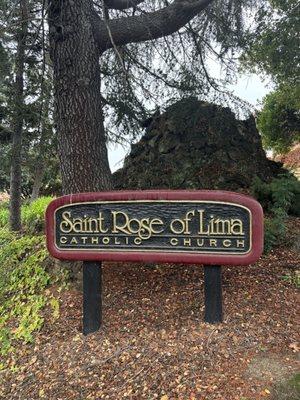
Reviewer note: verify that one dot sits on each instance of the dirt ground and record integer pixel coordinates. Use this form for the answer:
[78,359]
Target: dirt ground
[154,344]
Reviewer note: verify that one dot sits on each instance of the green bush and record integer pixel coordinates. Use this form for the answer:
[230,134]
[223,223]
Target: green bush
[32,215]
[23,288]
[279,121]
[282,192]
[4,214]
[275,230]
[278,198]
[24,279]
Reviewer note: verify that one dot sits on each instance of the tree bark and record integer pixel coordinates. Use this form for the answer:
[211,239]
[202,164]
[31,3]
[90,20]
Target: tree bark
[78,109]
[41,161]
[37,183]
[147,26]
[78,36]
[17,123]
[122,4]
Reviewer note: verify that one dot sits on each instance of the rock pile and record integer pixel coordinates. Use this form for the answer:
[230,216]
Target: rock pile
[196,145]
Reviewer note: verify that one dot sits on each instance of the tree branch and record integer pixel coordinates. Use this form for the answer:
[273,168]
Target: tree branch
[148,26]
[122,4]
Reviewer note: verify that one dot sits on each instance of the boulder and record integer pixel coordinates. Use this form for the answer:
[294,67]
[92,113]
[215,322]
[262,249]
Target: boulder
[196,145]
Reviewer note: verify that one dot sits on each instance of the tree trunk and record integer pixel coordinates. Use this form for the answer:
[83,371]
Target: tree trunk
[78,108]
[15,174]
[42,155]
[37,183]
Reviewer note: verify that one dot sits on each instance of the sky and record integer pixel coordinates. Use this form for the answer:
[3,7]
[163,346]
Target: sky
[249,87]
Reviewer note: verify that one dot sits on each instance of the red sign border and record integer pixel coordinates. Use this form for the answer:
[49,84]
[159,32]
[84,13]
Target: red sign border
[164,257]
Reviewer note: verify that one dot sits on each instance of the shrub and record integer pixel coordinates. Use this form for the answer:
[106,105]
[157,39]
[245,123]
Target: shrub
[32,214]
[24,278]
[4,214]
[23,284]
[282,192]
[278,198]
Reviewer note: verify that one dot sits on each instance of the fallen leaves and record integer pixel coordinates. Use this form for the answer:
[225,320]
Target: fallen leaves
[295,347]
[154,343]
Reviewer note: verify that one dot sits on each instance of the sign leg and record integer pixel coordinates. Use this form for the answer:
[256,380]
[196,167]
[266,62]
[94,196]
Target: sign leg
[92,296]
[213,294]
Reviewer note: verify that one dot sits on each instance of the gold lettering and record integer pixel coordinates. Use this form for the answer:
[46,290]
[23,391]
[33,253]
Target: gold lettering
[66,225]
[74,240]
[63,240]
[131,228]
[213,242]
[200,242]
[82,225]
[144,228]
[158,222]
[201,224]
[174,242]
[187,220]
[218,226]
[101,227]
[180,230]
[240,243]
[237,227]
[95,240]
[137,240]
[221,226]
[187,242]
[77,225]
[89,227]
[105,240]
[119,228]
[144,231]
[227,243]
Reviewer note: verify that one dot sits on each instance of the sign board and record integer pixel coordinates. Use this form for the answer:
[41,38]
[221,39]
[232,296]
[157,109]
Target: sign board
[205,227]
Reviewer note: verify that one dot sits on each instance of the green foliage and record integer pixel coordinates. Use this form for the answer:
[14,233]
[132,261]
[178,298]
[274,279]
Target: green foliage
[181,67]
[292,278]
[279,120]
[4,213]
[275,230]
[32,215]
[38,138]
[273,47]
[282,192]
[24,278]
[23,288]
[278,198]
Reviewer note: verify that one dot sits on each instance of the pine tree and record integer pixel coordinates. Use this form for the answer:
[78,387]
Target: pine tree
[148,50]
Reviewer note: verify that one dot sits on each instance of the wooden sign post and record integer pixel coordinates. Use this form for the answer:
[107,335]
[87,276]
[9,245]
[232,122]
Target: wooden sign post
[92,296]
[212,228]
[213,294]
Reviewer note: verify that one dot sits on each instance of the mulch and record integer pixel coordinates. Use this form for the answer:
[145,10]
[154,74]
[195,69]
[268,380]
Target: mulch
[153,343]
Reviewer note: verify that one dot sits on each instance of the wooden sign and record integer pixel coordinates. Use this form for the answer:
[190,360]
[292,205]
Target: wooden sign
[206,227]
